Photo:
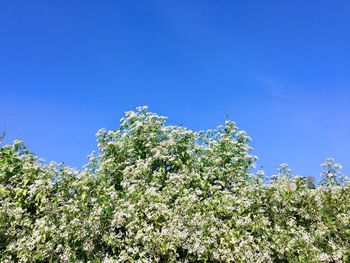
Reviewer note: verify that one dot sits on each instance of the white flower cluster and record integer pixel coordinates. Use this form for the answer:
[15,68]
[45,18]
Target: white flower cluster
[157,193]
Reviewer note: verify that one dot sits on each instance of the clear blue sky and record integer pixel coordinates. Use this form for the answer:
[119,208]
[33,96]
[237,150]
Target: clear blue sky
[280,69]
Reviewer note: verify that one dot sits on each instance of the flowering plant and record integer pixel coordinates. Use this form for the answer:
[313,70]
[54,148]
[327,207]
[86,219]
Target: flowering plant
[158,193]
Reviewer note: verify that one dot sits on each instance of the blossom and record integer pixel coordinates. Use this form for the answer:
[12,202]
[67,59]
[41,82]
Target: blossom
[159,193]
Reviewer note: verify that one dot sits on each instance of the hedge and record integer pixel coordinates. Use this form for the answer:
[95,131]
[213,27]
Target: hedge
[160,193]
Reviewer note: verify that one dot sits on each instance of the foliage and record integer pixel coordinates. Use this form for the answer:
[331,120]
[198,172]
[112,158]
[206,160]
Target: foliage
[158,193]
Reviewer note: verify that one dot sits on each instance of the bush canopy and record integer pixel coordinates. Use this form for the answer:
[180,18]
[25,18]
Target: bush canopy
[160,193]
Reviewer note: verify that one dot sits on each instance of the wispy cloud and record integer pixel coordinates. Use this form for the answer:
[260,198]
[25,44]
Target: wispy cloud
[273,87]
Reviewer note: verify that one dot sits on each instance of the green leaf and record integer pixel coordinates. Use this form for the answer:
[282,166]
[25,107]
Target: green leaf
[25,181]
[25,191]
[83,196]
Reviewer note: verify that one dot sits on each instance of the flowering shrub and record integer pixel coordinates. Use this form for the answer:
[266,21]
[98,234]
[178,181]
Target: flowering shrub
[158,193]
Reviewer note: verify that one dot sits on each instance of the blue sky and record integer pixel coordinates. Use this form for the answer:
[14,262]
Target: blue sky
[280,69]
